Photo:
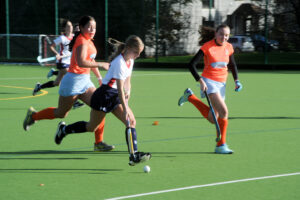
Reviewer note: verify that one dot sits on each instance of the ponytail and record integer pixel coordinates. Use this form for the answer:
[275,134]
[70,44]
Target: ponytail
[132,42]
[73,40]
[207,34]
[118,48]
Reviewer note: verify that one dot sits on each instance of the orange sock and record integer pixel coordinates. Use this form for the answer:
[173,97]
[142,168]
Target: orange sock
[47,113]
[99,132]
[223,123]
[204,109]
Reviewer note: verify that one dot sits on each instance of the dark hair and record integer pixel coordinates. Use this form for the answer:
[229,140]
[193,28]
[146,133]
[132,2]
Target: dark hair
[208,33]
[132,41]
[64,23]
[82,22]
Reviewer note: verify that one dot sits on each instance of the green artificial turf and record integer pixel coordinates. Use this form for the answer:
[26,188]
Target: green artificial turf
[263,131]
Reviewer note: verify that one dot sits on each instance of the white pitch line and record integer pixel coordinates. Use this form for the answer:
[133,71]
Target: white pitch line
[135,75]
[206,185]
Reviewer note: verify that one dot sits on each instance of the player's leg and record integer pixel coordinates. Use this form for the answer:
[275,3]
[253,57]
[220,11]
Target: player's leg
[52,72]
[49,113]
[99,144]
[61,73]
[135,156]
[63,130]
[188,95]
[50,84]
[220,106]
[39,86]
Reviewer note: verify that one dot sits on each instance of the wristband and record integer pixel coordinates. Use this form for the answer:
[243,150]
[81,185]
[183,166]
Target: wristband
[99,78]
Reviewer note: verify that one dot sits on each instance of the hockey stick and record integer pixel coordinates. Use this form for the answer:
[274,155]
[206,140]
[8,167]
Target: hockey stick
[129,133]
[215,119]
[42,60]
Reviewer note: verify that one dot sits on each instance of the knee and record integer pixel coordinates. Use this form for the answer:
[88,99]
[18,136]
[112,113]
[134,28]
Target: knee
[223,113]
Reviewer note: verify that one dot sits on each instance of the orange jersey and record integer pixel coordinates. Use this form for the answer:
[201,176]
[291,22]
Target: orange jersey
[216,59]
[91,55]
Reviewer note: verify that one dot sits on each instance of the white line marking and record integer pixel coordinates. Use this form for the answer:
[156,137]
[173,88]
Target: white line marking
[135,75]
[206,185]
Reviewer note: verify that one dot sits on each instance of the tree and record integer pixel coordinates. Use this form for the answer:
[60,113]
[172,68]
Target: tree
[286,22]
[128,17]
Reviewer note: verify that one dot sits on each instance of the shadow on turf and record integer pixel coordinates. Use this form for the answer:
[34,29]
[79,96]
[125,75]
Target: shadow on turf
[52,152]
[267,117]
[61,171]
[156,154]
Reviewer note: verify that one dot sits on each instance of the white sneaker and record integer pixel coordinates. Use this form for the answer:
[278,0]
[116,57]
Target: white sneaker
[223,149]
[188,92]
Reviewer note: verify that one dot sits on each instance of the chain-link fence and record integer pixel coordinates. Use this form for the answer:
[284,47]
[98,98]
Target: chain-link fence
[168,27]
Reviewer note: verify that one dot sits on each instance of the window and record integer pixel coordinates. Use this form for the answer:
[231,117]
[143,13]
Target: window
[205,3]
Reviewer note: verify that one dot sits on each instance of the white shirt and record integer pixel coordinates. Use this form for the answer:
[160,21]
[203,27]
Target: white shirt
[64,42]
[118,70]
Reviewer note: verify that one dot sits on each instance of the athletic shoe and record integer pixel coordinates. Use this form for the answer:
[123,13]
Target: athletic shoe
[138,157]
[37,88]
[223,149]
[102,146]
[77,104]
[59,135]
[50,73]
[188,92]
[28,121]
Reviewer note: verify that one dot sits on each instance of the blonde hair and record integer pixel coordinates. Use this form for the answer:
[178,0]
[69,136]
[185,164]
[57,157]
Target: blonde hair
[132,42]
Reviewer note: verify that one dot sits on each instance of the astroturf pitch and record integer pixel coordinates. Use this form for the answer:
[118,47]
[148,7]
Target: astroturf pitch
[264,128]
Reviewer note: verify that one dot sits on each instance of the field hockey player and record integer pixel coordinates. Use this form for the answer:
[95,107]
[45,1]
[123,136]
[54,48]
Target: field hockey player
[218,57]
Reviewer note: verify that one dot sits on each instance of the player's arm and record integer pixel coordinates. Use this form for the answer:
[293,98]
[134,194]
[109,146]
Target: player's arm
[97,74]
[233,68]
[81,54]
[52,48]
[127,87]
[193,69]
[193,64]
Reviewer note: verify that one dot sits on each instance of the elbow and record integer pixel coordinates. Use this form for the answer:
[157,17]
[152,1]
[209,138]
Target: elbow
[81,63]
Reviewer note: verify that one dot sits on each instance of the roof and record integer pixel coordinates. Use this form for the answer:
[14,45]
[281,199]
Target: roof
[248,9]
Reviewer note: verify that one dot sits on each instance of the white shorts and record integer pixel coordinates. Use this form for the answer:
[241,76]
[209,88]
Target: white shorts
[214,87]
[74,84]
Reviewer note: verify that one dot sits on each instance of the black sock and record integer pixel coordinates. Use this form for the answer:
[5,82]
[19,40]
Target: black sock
[77,127]
[49,84]
[131,139]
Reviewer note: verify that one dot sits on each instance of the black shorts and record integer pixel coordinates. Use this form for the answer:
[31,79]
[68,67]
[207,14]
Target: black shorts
[62,65]
[105,99]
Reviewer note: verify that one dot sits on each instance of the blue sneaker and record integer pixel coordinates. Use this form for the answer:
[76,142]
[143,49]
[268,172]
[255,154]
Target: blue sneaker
[50,73]
[188,92]
[223,149]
